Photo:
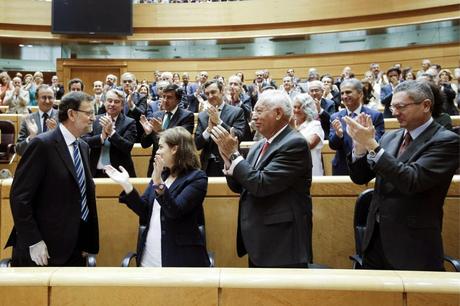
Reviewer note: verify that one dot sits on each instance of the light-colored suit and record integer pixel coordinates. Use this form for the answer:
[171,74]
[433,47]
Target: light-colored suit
[21,143]
[17,105]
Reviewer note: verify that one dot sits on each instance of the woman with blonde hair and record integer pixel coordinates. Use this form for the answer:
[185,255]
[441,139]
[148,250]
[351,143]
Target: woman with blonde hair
[171,207]
[305,118]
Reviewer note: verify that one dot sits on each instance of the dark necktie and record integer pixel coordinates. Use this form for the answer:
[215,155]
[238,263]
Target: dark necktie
[81,181]
[45,127]
[166,120]
[406,142]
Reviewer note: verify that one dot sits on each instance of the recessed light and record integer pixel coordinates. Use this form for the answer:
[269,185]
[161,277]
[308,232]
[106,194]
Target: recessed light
[21,45]
[29,46]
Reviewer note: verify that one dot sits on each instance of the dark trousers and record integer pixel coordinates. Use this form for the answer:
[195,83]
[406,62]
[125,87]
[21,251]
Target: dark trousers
[302,265]
[215,167]
[374,256]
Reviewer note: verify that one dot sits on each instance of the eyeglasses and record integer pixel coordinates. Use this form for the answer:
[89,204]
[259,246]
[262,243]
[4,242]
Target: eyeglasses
[401,107]
[88,113]
[44,98]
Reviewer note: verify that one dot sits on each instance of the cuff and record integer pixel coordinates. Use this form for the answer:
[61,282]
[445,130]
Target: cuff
[229,171]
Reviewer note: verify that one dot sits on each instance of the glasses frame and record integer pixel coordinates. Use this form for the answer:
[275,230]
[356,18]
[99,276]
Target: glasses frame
[401,107]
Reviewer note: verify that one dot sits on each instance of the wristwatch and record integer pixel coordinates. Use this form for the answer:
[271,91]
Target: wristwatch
[373,153]
[234,156]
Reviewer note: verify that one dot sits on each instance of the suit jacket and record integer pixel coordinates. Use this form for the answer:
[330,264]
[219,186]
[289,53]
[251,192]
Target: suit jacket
[181,205]
[409,195]
[140,108]
[328,106]
[45,200]
[386,95]
[121,144]
[275,210]
[343,146]
[231,116]
[21,142]
[181,117]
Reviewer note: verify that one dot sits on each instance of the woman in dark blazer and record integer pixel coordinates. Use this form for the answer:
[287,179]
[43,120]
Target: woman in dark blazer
[171,205]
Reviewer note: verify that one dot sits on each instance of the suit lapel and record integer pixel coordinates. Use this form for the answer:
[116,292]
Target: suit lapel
[64,153]
[418,143]
[394,143]
[273,147]
[36,117]
[174,119]
[254,153]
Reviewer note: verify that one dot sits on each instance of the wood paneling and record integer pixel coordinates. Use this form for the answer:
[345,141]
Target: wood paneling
[32,19]
[446,55]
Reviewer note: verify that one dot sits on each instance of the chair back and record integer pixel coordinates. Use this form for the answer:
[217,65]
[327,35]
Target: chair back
[360,218]
[7,131]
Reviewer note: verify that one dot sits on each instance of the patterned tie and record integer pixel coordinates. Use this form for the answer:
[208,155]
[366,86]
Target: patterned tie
[406,142]
[81,181]
[45,127]
[105,153]
[166,120]
[263,150]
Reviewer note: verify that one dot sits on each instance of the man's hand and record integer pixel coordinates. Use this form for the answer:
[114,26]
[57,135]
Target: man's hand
[226,142]
[146,125]
[107,125]
[362,132]
[213,114]
[39,253]
[32,127]
[338,128]
[51,123]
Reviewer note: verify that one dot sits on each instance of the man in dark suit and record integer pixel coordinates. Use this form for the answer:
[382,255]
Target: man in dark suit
[135,104]
[112,138]
[239,99]
[53,198]
[339,140]
[275,210]
[218,113]
[36,123]
[413,167]
[326,107]
[171,116]
[386,92]
[58,89]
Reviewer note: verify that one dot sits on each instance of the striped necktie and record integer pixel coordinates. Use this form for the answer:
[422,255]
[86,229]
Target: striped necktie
[81,181]
[45,127]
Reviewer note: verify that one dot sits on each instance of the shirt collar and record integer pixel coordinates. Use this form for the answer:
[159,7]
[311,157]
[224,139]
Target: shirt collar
[48,112]
[277,133]
[356,111]
[417,131]
[68,137]
[174,110]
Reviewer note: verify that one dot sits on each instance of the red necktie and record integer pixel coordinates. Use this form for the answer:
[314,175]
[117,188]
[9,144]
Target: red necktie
[406,142]
[262,151]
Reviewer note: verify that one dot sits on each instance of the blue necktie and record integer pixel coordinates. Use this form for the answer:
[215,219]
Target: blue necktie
[81,181]
[105,153]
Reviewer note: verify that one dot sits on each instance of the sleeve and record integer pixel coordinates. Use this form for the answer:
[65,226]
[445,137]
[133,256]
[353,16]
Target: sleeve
[239,124]
[200,141]
[125,141]
[190,197]
[335,142]
[139,205]
[21,142]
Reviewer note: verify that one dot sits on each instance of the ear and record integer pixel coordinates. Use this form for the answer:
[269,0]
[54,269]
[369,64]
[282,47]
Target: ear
[71,115]
[174,149]
[428,105]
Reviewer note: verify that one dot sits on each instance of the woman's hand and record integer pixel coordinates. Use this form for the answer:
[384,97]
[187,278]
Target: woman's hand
[157,169]
[121,177]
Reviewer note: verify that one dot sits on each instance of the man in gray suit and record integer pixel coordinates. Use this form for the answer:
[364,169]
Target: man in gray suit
[413,167]
[275,211]
[43,120]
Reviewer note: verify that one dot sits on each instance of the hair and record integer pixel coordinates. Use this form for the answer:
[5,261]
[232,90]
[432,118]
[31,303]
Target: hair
[242,76]
[5,74]
[447,72]
[120,94]
[75,81]
[367,90]
[355,83]
[219,84]
[327,75]
[406,71]
[41,87]
[418,91]
[235,76]
[186,157]
[275,98]
[316,83]
[308,106]
[72,100]
[392,69]
[161,85]
[174,88]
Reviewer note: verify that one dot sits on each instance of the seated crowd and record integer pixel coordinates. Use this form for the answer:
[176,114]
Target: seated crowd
[292,122]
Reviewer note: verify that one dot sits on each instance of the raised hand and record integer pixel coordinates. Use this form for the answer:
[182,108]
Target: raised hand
[51,123]
[32,127]
[121,177]
[146,125]
[338,128]
[159,165]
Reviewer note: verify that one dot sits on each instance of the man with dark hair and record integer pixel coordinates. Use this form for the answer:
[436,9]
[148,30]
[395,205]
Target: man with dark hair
[218,113]
[53,198]
[339,140]
[413,169]
[170,116]
[386,93]
[75,85]
[43,120]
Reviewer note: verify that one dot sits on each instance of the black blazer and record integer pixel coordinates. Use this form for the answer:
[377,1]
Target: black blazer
[231,116]
[409,195]
[45,200]
[275,210]
[181,117]
[181,205]
[140,108]
[121,144]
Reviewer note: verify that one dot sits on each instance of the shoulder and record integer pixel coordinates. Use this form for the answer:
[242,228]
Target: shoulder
[370,111]
[184,113]
[196,174]
[338,114]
